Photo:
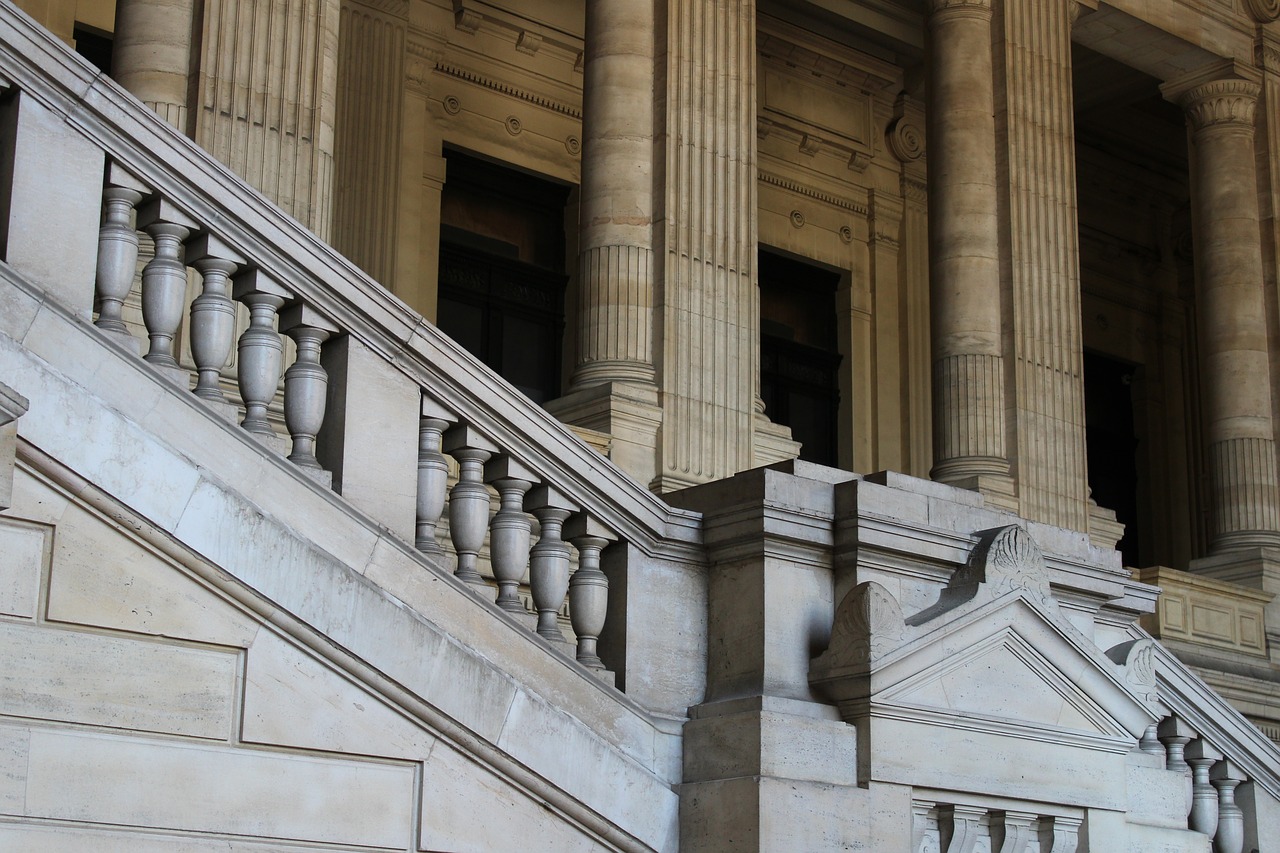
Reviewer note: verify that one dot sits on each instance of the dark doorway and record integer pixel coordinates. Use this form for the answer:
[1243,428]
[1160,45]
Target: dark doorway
[502,279]
[799,357]
[94,45]
[1111,445]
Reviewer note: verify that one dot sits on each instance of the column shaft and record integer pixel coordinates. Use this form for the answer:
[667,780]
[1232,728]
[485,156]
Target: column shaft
[1231,314]
[615,264]
[151,54]
[707,229]
[267,95]
[968,371]
[1047,426]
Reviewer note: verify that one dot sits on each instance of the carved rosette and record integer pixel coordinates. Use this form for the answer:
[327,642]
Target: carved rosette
[1222,102]
[905,140]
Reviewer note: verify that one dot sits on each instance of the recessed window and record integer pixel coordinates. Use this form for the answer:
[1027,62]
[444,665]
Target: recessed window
[502,273]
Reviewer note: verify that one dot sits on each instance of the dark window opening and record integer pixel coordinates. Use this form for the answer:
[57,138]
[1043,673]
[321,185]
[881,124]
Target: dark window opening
[799,357]
[1111,445]
[502,274]
[94,45]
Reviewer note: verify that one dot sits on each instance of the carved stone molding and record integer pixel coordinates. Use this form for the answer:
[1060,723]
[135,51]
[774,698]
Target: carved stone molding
[813,192]
[1221,102]
[509,90]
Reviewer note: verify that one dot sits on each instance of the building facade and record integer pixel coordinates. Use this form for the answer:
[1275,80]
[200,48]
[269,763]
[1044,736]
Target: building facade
[1019,258]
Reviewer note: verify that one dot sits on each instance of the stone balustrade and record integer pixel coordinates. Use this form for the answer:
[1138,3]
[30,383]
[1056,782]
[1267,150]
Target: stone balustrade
[489,548]
[1212,780]
[265,328]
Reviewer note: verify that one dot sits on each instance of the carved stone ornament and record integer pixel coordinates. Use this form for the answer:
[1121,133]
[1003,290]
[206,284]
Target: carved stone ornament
[1005,559]
[1221,102]
[1263,11]
[868,626]
[1138,660]
[905,140]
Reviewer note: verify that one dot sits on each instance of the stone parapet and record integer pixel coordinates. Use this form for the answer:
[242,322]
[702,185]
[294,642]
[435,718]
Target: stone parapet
[1199,609]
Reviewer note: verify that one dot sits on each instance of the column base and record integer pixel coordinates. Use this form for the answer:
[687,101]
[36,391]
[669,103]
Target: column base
[1104,530]
[627,413]
[998,490]
[771,442]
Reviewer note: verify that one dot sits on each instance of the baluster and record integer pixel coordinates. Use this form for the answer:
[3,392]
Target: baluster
[213,314]
[164,279]
[1204,800]
[588,588]
[305,382]
[260,351]
[469,499]
[117,248]
[1225,776]
[960,827]
[1059,834]
[433,473]
[1175,735]
[1011,832]
[1150,743]
[549,560]
[510,531]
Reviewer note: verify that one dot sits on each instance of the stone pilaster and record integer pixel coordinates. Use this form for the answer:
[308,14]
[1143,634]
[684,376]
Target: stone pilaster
[151,55]
[705,235]
[267,99]
[1231,313]
[968,368]
[1042,286]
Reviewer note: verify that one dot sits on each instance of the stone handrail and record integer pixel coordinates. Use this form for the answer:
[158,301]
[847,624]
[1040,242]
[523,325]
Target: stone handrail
[405,393]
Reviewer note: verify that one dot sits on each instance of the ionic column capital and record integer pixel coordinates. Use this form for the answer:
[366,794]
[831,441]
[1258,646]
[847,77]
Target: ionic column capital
[1221,102]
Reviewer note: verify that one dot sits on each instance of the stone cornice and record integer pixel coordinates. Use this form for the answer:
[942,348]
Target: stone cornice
[509,90]
[814,193]
[1221,102]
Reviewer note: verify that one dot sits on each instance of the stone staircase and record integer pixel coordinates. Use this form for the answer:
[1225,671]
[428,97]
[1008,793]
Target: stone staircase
[244,614]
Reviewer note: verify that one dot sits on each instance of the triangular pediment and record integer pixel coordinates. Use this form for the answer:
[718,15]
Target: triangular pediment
[1009,668]
[995,653]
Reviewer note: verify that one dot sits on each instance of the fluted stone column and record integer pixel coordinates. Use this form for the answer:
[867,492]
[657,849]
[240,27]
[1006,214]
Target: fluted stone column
[615,262]
[705,237]
[266,102]
[968,371]
[151,54]
[1044,339]
[613,385]
[1234,361]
